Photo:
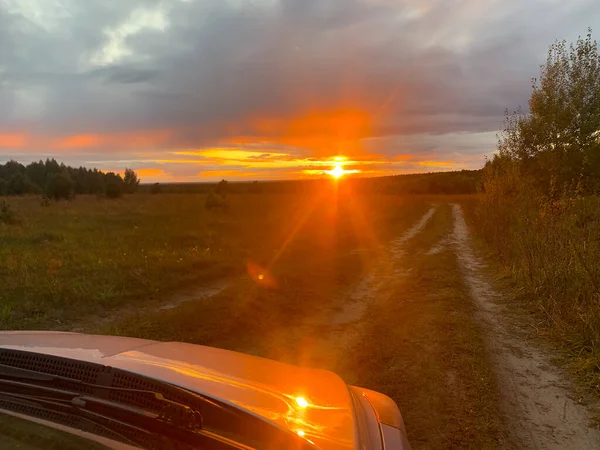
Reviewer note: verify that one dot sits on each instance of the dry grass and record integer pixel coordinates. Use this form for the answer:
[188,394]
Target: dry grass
[89,255]
[551,251]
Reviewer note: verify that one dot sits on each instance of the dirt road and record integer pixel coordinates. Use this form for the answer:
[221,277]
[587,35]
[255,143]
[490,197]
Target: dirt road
[423,325]
[535,398]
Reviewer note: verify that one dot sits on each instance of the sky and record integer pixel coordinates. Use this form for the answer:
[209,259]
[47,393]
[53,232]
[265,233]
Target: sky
[199,90]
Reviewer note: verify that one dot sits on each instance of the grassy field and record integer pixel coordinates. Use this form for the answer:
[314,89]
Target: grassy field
[78,258]
[288,260]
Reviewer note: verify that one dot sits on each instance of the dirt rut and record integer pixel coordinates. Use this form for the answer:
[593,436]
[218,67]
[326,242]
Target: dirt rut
[536,402]
[344,323]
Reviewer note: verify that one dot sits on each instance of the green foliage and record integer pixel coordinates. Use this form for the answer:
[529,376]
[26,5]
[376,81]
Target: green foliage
[60,186]
[558,142]
[541,211]
[19,184]
[216,201]
[131,181]
[35,177]
[114,186]
[7,214]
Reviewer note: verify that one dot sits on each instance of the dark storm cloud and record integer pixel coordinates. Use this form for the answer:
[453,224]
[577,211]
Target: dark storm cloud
[212,69]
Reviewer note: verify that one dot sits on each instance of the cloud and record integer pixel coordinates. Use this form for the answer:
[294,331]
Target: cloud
[374,79]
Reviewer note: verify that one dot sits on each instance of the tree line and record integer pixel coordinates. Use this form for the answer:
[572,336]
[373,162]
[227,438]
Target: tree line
[58,181]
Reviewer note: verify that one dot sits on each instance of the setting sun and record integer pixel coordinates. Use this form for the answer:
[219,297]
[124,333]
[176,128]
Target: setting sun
[337,172]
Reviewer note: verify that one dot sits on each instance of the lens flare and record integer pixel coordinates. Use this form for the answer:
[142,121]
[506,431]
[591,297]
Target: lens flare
[301,401]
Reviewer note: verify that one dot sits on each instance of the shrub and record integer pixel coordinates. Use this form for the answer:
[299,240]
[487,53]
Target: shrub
[114,185]
[60,186]
[216,201]
[19,184]
[44,201]
[7,214]
[222,188]
[156,189]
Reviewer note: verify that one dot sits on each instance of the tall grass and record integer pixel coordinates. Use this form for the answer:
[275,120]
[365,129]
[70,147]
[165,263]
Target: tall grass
[551,245]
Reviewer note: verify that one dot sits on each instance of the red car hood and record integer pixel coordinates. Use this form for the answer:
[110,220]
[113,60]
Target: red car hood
[265,387]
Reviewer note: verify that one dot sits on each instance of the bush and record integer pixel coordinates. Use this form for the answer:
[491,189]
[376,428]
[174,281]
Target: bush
[60,186]
[216,201]
[222,188]
[156,189]
[44,201]
[7,214]
[113,189]
[3,187]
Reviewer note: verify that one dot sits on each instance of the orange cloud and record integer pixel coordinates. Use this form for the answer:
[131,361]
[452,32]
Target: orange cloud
[237,174]
[327,132]
[79,141]
[13,140]
[137,139]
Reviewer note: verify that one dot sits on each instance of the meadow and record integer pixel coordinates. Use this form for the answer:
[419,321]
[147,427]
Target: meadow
[72,259]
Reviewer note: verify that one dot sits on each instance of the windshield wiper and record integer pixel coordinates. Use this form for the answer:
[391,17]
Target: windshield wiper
[159,408]
[175,422]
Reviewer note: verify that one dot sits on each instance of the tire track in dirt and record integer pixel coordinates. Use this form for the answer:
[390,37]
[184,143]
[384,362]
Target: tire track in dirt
[535,397]
[202,292]
[344,323]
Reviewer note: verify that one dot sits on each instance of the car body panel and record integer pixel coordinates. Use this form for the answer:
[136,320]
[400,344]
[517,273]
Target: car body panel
[264,387]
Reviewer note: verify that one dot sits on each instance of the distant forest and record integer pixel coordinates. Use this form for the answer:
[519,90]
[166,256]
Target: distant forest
[59,181]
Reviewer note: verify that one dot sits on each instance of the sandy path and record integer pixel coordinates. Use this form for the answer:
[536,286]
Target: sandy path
[535,397]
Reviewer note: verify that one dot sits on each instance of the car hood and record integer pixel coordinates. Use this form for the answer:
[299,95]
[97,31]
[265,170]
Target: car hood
[264,387]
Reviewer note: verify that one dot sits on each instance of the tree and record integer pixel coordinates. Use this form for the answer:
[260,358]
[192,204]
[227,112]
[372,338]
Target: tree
[222,187]
[3,187]
[19,184]
[60,186]
[156,188]
[131,181]
[114,185]
[558,142]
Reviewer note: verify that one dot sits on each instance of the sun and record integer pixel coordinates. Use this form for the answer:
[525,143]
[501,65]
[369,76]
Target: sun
[337,171]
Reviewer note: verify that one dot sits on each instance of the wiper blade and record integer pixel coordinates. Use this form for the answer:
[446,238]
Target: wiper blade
[174,405]
[106,413]
[20,374]
[173,413]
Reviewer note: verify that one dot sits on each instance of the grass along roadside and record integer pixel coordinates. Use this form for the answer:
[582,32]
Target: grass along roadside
[525,308]
[422,347]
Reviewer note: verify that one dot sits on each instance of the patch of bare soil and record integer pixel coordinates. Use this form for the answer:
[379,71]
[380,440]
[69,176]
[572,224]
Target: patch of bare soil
[172,301]
[536,397]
